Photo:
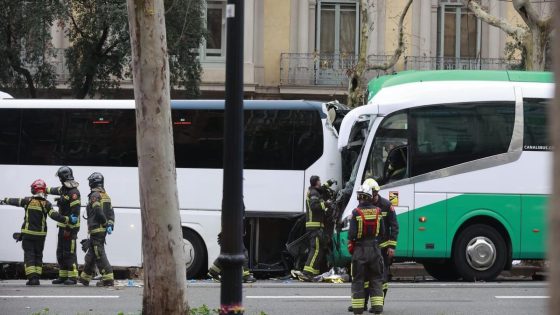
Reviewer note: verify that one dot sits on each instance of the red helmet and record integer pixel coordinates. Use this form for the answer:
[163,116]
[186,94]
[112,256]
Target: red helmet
[38,186]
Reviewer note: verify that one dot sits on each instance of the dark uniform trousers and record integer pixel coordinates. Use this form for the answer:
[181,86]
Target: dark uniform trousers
[217,267]
[33,246]
[68,203]
[316,252]
[386,264]
[96,256]
[66,253]
[367,268]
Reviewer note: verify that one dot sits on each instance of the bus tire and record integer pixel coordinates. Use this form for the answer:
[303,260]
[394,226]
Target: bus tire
[442,271]
[196,254]
[479,253]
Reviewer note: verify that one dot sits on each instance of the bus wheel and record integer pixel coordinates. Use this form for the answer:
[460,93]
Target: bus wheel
[196,255]
[479,253]
[442,271]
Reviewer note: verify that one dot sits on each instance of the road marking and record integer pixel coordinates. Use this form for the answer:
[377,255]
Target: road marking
[325,297]
[522,297]
[59,296]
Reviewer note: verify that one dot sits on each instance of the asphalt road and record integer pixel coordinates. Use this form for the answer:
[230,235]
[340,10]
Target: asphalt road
[522,297]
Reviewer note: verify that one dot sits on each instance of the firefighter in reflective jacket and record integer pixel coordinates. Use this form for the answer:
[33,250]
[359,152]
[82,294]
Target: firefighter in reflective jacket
[388,240]
[68,203]
[100,220]
[34,228]
[316,208]
[367,263]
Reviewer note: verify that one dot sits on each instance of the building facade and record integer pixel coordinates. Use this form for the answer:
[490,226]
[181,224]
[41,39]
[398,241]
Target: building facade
[304,48]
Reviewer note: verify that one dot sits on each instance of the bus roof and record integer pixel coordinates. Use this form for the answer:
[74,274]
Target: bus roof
[412,76]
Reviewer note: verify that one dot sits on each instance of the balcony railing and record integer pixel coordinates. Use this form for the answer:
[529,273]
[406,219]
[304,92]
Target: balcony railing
[446,63]
[322,69]
[312,69]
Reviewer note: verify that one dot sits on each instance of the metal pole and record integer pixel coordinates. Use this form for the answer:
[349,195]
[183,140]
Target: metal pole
[231,255]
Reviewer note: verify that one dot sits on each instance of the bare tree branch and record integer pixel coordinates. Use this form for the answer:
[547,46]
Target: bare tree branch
[527,11]
[546,22]
[515,31]
[400,47]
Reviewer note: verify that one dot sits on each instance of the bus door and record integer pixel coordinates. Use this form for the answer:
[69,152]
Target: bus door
[387,163]
[429,225]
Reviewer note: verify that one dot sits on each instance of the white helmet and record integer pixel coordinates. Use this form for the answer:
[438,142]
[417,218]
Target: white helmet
[365,190]
[372,183]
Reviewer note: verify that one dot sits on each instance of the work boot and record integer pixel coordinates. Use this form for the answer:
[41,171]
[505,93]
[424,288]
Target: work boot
[33,281]
[305,277]
[105,283]
[83,281]
[70,281]
[376,309]
[249,279]
[59,280]
[214,275]
[351,309]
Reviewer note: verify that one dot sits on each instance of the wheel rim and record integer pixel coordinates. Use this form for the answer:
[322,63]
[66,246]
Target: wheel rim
[481,253]
[189,250]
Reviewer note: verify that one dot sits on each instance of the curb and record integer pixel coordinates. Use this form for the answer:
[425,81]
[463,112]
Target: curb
[413,271]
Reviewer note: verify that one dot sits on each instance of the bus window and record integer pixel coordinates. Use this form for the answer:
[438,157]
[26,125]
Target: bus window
[99,137]
[447,135]
[9,135]
[535,136]
[40,137]
[391,134]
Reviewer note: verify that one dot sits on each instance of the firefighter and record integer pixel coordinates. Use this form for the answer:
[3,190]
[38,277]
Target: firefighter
[215,271]
[100,220]
[316,207]
[367,262]
[388,240]
[34,228]
[68,203]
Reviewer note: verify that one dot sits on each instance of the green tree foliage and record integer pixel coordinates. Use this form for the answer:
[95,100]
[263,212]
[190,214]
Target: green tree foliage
[185,30]
[99,56]
[26,52]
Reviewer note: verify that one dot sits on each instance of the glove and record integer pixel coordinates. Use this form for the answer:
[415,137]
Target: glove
[109,229]
[351,247]
[331,182]
[73,219]
[17,236]
[85,245]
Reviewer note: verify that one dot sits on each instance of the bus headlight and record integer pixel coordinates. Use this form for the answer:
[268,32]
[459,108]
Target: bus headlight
[346,223]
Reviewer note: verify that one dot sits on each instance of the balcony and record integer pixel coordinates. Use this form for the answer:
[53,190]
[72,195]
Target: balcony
[446,63]
[313,69]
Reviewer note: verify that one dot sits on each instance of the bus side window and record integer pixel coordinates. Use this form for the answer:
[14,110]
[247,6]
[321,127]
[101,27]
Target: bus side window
[9,135]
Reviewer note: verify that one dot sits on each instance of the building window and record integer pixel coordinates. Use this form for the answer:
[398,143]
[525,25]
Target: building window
[337,27]
[214,46]
[459,33]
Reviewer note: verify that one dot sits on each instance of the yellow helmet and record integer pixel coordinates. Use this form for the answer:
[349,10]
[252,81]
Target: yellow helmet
[372,183]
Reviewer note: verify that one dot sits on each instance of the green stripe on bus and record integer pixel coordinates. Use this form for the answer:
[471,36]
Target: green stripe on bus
[524,217]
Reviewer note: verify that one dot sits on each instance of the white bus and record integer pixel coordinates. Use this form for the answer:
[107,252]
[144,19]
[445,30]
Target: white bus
[285,143]
[464,158]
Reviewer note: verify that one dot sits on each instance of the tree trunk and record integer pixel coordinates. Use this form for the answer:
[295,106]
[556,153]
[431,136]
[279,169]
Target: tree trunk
[554,207]
[356,90]
[355,79]
[165,286]
[535,43]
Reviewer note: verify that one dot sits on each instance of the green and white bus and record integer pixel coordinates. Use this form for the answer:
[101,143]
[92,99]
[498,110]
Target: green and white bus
[464,158]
